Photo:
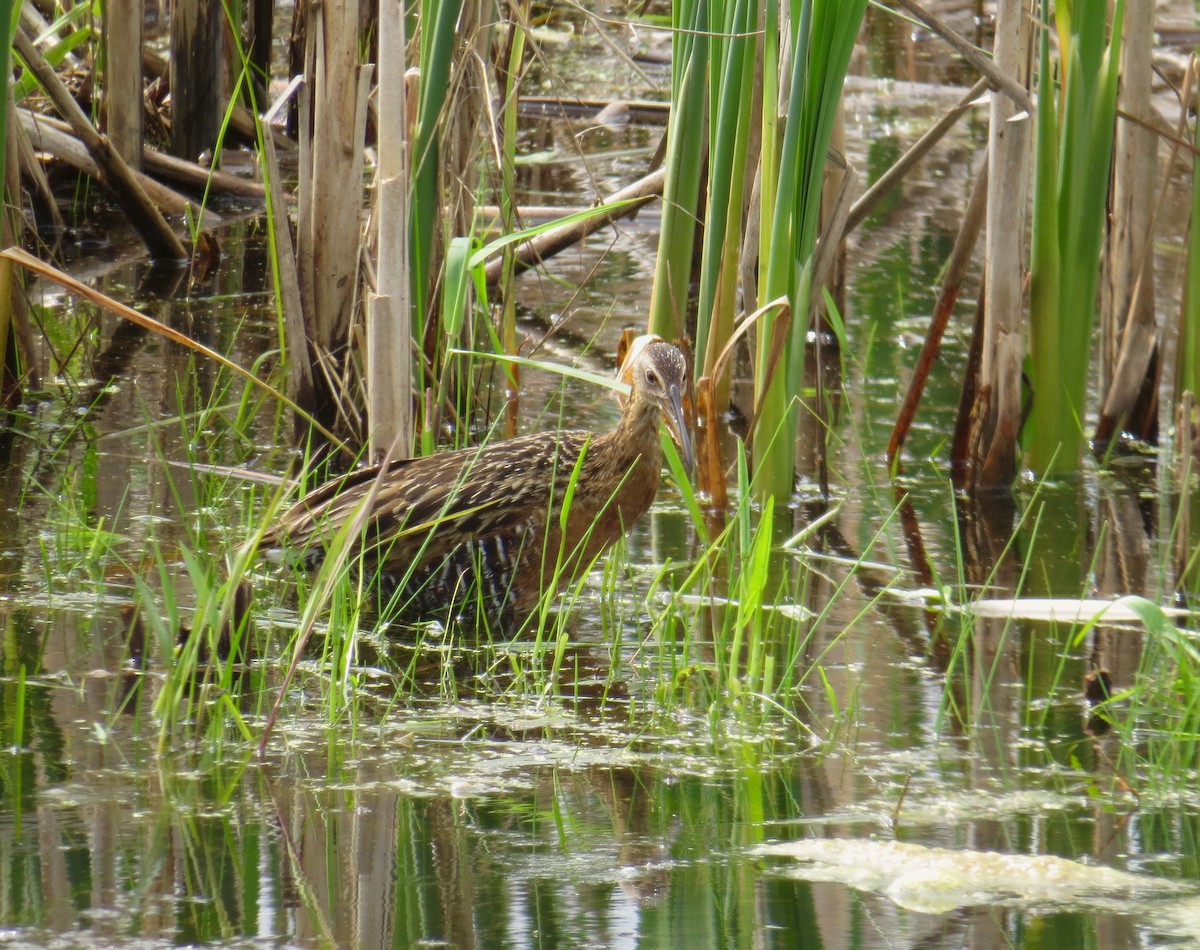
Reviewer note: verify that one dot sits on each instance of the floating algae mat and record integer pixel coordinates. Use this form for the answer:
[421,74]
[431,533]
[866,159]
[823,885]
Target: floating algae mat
[938,880]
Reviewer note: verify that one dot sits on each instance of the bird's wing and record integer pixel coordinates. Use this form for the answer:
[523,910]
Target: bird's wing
[468,493]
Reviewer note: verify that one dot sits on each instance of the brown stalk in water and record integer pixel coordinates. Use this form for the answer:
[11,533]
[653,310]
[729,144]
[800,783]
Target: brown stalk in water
[956,271]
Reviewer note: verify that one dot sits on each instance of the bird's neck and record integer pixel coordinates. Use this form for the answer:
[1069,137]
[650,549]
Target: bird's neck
[637,432]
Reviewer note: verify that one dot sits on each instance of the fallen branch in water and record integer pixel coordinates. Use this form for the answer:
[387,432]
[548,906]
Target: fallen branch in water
[549,243]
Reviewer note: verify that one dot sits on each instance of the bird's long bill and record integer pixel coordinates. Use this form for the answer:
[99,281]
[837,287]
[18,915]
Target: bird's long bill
[677,424]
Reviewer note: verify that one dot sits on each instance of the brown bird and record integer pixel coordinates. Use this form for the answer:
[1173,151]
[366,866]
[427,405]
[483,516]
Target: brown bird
[488,523]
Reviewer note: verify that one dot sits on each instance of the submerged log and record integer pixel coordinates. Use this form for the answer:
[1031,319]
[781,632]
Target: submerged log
[198,178]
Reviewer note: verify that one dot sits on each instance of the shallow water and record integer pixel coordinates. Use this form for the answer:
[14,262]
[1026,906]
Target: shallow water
[474,794]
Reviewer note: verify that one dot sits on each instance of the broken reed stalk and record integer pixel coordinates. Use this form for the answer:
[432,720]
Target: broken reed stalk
[122,77]
[330,185]
[389,376]
[112,170]
[288,300]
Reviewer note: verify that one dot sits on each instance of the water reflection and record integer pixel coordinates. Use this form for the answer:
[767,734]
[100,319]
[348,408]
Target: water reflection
[486,826]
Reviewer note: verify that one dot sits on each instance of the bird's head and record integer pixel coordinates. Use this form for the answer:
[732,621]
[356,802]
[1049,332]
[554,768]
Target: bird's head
[657,375]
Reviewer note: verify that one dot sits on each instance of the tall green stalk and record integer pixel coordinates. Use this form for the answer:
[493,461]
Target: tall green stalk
[8,12]
[731,111]
[715,42]
[823,39]
[1063,291]
[1188,381]
[439,21]
[685,167]
[1189,330]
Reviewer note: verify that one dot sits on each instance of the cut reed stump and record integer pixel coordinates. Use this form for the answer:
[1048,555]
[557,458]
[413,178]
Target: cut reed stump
[499,525]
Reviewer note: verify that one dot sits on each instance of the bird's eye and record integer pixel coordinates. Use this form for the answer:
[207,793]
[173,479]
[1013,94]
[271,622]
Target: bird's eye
[651,377]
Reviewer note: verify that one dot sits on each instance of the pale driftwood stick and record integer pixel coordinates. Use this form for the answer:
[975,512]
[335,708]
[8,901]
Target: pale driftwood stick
[168,168]
[50,137]
[197,177]
[112,171]
[37,26]
[488,216]
[920,148]
[642,112]
[997,76]
[549,243]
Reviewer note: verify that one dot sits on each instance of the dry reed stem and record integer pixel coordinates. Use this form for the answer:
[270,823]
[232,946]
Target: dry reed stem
[998,417]
[1002,75]
[1130,336]
[123,77]
[904,164]
[389,376]
[49,271]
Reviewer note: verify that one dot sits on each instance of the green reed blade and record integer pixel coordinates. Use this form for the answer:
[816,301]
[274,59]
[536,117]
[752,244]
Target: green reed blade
[1063,290]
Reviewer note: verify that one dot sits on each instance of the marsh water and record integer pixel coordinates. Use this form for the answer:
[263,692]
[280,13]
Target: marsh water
[919,791]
